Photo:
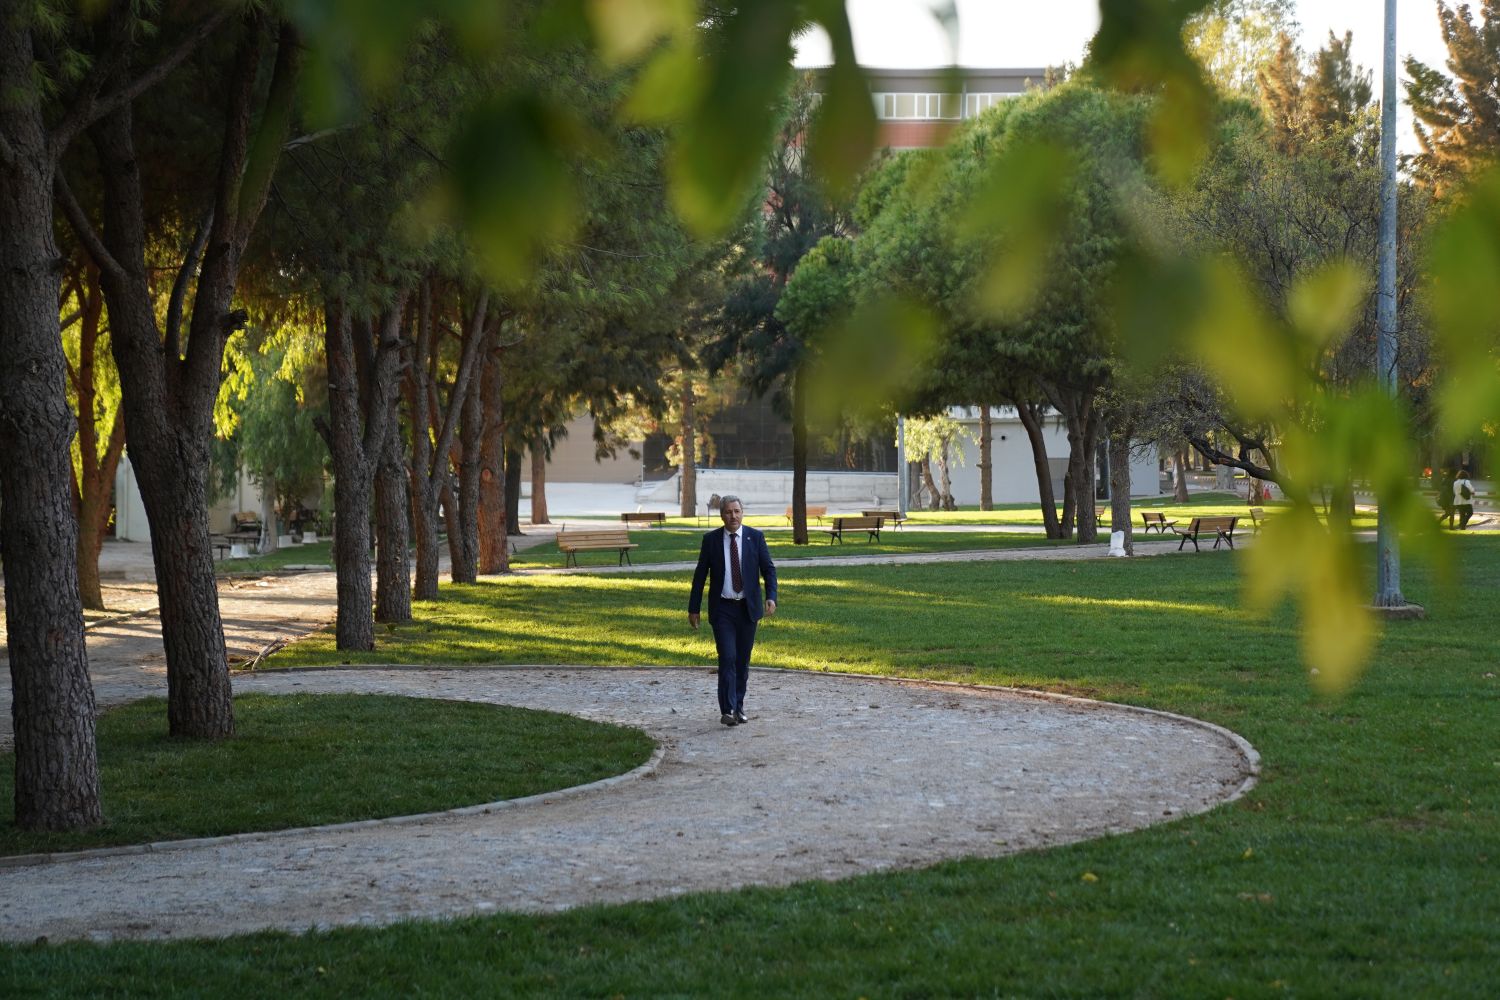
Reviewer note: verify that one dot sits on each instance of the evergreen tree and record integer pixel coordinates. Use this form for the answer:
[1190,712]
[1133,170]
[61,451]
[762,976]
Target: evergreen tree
[1458,115]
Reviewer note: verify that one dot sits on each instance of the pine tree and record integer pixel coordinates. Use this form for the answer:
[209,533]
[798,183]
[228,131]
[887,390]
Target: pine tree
[1458,116]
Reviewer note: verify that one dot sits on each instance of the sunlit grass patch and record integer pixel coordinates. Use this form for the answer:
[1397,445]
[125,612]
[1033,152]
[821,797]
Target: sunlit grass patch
[306,760]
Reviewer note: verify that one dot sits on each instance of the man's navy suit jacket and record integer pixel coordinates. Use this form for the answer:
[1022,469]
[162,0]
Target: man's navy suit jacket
[756,560]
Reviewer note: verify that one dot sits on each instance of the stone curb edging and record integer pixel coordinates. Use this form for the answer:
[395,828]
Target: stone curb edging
[63,857]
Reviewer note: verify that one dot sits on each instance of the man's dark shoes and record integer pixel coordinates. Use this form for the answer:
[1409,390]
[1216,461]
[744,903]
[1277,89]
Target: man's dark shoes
[728,719]
[740,717]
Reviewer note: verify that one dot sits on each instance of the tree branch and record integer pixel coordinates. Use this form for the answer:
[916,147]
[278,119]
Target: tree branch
[84,229]
[1218,457]
[179,286]
[90,109]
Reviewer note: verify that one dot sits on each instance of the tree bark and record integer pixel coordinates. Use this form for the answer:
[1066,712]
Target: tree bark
[463,532]
[539,482]
[360,412]
[270,533]
[52,700]
[1031,416]
[986,466]
[512,491]
[934,498]
[688,470]
[1119,485]
[169,387]
[946,499]
[96,474]
[799,458]
[392,504]
[1179,486]
[494,550]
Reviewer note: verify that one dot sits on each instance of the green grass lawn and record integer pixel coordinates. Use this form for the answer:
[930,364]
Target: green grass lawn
[304,760]
[665,545]
[315,554]
[1361,866]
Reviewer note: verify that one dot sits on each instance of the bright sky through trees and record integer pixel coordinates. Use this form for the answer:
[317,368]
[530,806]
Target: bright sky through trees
[903,33]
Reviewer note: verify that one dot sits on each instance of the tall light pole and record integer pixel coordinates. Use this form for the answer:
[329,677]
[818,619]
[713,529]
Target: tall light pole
[1388,553]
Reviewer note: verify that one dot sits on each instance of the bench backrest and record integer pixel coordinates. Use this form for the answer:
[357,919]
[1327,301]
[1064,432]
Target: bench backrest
[889,515]
[600,538]
[642,515]
[1213,523]
[1257,513]
[812,511]
[1149,518]
[865,522]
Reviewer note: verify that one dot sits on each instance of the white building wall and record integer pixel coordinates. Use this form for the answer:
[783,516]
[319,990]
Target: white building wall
[1013,479]
[130,512]
[573,459]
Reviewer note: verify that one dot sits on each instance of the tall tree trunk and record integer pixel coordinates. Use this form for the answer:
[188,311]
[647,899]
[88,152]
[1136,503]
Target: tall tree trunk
[433,426]
[1070,502]
[52,701]
[1179,486]
[494,551]
[1087,479]
[688,470]
[1119,485]
[463,533]
[392,503]
[986,465]
[360,414]
[1031,416]
[425,472]
[947,477]
[96,473]
[934,498]
[355,625]
[512,491]
[169,385]
[799,458]
[539,482]
[270,533]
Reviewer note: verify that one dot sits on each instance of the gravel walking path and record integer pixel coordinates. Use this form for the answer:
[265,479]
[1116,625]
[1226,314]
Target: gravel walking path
[834,776]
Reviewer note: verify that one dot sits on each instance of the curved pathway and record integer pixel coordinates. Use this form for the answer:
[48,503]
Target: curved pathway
[835,776]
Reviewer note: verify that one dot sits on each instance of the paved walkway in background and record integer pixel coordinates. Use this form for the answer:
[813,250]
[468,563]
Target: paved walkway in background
[835,776]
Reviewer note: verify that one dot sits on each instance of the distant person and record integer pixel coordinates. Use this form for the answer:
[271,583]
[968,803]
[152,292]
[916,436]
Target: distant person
[1463,498]
[1443,486]
[735,605]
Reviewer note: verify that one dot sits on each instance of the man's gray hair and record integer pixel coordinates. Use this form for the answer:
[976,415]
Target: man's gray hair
[725,501]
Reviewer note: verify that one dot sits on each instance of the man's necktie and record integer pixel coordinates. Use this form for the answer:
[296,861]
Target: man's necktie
[736,577]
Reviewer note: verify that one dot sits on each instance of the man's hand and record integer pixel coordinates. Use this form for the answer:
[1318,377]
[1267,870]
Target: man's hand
[693,619]
[770,608]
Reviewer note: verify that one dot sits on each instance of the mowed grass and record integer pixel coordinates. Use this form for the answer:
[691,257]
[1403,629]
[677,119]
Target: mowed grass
[313,554]
[304,760]
[667,545]
[1362,865]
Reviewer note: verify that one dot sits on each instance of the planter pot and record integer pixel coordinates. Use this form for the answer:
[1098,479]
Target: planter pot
[309,537]
[286,539]
[239,550]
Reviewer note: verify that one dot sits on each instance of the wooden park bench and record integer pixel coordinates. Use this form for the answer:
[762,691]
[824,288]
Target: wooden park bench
[866,523]
[888,516]
[570,543]
[1157,520]
[651,518]
[813,513]
[1222,527]
[1257,519]
[245,521]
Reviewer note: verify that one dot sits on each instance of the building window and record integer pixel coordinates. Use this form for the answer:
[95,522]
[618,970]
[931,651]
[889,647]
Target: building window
[977,104]
[917,107]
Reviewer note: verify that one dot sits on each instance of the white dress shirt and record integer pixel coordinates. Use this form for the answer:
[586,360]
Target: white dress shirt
[729,591]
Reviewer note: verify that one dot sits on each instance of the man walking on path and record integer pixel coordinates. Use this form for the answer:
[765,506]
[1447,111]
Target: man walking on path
[733,559]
